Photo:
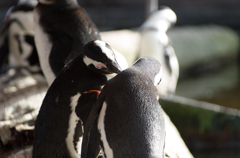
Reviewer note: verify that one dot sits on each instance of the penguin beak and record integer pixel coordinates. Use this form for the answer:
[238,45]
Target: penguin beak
[113,67]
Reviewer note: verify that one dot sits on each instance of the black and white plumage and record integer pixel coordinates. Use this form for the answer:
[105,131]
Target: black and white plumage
[65,108]
[18,19]
[155,43]
[17,47]
[62,28]
[130,119]
[95,60]
[29,58]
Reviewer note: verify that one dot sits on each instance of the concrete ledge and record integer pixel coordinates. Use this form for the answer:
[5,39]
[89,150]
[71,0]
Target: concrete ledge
[203,125]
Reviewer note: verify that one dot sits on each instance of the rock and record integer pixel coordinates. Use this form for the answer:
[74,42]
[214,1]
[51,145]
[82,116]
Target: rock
[25,153]
[203,125]
[210,84]
[19,105]
[204,46]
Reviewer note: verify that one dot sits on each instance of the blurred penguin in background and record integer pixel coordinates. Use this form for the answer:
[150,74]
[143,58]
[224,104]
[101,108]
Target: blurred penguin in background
[155,43]
[17,47]
[62,28]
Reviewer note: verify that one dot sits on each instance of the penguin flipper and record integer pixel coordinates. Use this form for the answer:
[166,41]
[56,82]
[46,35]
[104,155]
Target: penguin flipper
[88,125]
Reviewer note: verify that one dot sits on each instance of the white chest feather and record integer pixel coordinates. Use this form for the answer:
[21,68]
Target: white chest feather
[150,45]
[73,120]
[44,46]
[108,151]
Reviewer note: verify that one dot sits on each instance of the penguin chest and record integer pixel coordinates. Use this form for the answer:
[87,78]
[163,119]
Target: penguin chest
[73,140]
[22,23]
[44,46]
[150,45]
[26,51]
[101,127]
[15,53]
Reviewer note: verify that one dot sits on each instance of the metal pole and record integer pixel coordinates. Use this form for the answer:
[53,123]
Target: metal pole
[151,6]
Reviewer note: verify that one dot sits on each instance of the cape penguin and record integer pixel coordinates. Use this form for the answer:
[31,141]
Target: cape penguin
[29,58]
[62,28]
[68,102]
[155,43]
[130,119]
[17,47]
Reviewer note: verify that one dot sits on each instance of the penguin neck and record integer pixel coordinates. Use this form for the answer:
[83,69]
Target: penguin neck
[94,80]
[160,25]
[85,68]
[58,2]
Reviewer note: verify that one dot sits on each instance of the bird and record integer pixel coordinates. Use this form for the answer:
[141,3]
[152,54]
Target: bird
[17,47]
[60,123]
[62,28]
[29,58]
[155,43]
[129,118]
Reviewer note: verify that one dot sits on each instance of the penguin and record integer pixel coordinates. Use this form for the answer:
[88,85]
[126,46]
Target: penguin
[62,28]
[155,43]
[60,123]
[29,61]
[17,47]
[129,118]
[18,19]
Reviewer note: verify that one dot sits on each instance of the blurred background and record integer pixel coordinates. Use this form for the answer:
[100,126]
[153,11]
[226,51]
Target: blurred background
[128,14]
[206,41]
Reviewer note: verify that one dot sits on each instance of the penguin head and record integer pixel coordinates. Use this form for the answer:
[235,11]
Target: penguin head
[101,58]
[167,13]
[151,67]
[160,20]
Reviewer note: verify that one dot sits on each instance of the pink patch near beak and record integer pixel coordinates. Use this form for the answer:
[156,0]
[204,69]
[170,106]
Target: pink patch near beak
[99,66]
